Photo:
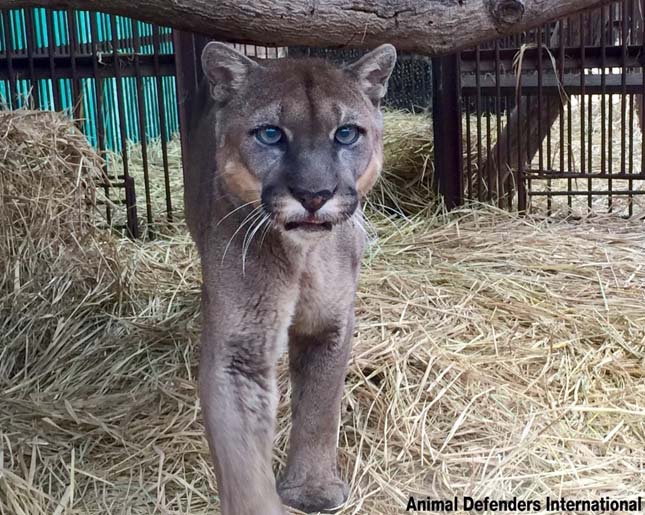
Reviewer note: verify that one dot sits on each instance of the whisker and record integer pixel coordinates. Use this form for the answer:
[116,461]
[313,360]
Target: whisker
[235,210]
[248,245]
[249,218]
[256,219]
[266,231]
[388,209]
[359,221]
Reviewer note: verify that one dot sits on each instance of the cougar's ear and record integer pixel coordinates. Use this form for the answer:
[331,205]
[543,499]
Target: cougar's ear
[226,70]
[373,71]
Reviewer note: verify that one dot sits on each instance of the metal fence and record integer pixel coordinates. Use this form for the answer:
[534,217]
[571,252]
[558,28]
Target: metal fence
[546,120]
[115,76]
[553,117]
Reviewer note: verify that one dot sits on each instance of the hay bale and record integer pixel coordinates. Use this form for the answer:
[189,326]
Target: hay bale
[48,215]
[406,184]
[51,253]
[70,295]
[48,173]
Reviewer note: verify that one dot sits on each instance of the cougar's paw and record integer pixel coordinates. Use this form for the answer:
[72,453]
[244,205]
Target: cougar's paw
[310,496]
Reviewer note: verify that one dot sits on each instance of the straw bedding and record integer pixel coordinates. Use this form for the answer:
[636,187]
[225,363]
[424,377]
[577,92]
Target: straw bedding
[494,356]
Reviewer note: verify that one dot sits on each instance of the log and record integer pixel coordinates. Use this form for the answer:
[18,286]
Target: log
[507,12]
[430,27]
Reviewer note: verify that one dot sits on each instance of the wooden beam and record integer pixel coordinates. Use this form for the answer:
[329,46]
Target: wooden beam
[430,27]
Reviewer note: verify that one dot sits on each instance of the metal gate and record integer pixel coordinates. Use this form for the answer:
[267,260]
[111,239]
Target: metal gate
[551,119]
[115,76]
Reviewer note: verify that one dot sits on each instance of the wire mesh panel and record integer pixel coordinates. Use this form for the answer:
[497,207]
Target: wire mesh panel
[116,77]
[553,117]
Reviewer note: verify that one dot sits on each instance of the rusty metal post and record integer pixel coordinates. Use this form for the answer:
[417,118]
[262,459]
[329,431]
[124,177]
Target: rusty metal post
[446,116]
[132,223]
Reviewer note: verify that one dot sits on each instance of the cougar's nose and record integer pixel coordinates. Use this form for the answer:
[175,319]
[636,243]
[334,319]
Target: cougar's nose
[312,201]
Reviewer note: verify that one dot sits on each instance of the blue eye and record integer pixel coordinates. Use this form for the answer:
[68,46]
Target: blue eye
[347,134]
[269,135]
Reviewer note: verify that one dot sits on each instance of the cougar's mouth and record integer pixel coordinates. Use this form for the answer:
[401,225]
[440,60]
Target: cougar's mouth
[310,224]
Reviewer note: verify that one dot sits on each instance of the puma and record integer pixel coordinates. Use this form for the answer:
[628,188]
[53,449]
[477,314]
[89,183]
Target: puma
[279,159]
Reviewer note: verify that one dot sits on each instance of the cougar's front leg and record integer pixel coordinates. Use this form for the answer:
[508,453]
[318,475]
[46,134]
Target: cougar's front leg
[318,365]
[239,402]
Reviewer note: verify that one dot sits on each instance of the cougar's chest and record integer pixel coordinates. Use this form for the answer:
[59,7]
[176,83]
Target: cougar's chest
[325,295]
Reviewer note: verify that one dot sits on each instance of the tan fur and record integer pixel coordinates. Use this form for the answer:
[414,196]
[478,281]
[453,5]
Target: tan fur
[368,178]
[241,182]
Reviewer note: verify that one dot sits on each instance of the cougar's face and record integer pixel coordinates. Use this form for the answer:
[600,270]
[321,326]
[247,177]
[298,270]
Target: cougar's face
[301,137]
